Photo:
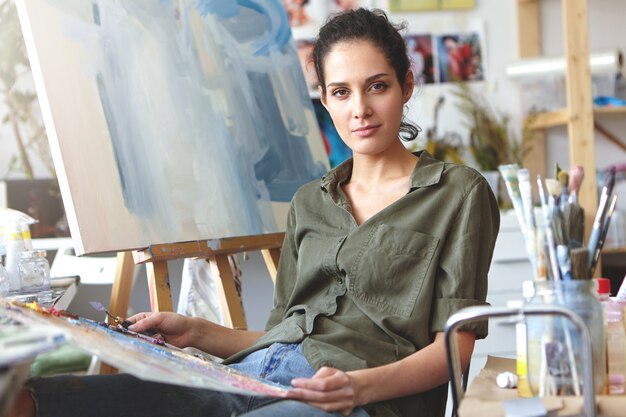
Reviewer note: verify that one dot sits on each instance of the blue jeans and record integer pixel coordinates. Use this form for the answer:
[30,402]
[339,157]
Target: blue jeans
[124,395]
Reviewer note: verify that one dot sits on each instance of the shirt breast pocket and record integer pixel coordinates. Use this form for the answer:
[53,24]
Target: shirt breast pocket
[391,268]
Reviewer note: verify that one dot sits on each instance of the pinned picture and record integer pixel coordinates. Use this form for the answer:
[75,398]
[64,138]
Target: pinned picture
[420,50]
[460,57]
[307,16]
[305,49]
[424,5]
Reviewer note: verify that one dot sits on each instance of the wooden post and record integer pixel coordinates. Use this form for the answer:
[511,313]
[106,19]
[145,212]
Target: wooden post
[271,257]
[580,104]
[122,285]
[230,300]
[120,295]
[159,286]
[529,43]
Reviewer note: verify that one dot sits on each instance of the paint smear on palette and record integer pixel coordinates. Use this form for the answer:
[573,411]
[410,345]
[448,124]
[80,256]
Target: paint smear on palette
[144,357]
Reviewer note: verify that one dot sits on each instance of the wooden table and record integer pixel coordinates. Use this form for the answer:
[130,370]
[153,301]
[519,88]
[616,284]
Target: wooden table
[484,398]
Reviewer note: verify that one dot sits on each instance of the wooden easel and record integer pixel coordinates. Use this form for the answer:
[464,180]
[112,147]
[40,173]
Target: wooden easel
[216,251]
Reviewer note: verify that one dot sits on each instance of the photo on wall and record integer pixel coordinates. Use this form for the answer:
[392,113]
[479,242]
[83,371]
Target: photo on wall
[426,5]
[459,57]
[420,50]
[305,51]
[307,16]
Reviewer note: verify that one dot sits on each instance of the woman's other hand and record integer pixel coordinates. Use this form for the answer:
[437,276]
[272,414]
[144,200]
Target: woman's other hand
[173,328]
[329,389]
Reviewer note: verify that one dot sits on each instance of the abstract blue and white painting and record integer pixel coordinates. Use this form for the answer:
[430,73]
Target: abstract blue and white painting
[172,121]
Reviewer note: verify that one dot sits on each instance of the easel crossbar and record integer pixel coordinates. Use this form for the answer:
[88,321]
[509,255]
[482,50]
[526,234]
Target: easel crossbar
[208,248]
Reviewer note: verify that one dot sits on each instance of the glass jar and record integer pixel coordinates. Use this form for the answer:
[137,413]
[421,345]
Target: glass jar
[34,271]
[553,342]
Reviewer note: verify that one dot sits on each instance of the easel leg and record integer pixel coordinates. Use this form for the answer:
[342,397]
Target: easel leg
[159,286]
[120,294]
[230,300]
[271,257]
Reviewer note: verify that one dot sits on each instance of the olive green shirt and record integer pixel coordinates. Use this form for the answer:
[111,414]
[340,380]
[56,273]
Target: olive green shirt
[360,296]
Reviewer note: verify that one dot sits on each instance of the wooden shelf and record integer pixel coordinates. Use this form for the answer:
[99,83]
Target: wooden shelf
[619,250]
[550,119]
[609,110]
[561,117]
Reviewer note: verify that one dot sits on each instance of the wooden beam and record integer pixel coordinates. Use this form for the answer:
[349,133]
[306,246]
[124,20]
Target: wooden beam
[550,119]
[230,300]
[122,284]
[580,103]
[120,295]
[529,45]
[610,136]
[271,257]
[159,286]
[208,248]
[528,28]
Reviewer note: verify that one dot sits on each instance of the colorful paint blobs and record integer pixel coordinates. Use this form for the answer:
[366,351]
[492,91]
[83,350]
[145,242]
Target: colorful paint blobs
[142,356]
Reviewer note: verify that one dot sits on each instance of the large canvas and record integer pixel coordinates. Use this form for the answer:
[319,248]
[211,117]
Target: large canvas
[171,121]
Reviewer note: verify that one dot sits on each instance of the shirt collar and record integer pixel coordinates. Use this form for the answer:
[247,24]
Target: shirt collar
[427,172]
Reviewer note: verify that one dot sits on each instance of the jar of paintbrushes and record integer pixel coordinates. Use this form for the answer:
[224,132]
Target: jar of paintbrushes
[553,343]
[563,267]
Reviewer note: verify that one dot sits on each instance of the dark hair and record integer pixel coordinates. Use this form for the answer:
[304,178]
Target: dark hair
[372,26]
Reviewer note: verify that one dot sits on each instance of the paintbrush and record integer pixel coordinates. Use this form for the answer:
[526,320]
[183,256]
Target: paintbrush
[609,180]
[509,174]
[580,263]
[525,188]
[576,176]
[603,233]
[564,261]
[596,230]
[547,219]
[573,214]
[563,179]
[117,319]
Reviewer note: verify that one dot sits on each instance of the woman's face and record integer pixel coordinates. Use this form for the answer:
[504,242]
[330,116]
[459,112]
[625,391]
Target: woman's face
[364,97]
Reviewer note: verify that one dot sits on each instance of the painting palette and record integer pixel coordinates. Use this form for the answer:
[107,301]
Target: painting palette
[142,356]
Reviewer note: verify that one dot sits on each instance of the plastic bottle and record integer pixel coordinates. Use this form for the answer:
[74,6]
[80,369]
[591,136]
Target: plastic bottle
[28,242]
[620,298]
[15,245]
[615,338]
[4,282]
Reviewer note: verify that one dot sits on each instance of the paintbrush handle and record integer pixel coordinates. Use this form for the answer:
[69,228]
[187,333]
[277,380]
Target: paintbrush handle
[597,224]
[602,235]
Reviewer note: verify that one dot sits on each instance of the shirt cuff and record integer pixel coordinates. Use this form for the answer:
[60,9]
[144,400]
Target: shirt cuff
[443,308]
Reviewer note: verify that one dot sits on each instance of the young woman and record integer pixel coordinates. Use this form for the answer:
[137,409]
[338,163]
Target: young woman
[377,255]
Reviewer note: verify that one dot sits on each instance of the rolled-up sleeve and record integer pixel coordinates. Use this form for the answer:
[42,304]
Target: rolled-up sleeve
[466,256]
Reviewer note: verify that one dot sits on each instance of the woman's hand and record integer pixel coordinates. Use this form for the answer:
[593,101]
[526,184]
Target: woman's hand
[329,389]
[173,328]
